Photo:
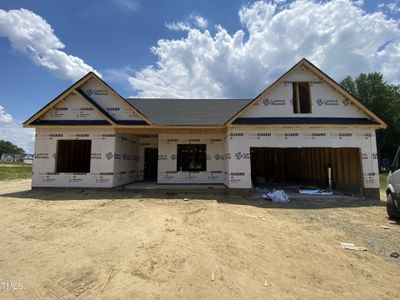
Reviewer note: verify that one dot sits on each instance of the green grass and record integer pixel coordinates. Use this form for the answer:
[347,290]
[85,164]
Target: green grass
[10,171]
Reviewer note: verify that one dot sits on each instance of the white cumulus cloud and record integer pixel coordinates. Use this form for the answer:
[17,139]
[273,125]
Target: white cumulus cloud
[193,21]
[12,130]
[31,35]
[200,21]
[178,26]
[390,7]
[5,117]
[337,35]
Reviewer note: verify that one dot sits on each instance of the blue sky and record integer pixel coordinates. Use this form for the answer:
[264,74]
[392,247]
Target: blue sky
[187,48]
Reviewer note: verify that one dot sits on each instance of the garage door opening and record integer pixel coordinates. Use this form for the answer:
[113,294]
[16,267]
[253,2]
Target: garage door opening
[307,166]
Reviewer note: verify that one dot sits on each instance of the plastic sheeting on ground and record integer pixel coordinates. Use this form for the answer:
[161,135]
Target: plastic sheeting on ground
[277,196]
[315,192]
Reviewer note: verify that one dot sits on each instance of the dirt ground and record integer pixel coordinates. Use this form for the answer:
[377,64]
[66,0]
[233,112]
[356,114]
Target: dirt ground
[117,244]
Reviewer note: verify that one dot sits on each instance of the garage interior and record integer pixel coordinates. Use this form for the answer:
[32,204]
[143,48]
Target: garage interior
[307,167]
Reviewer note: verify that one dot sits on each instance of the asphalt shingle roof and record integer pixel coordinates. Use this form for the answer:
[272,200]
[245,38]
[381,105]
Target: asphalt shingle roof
[188,111]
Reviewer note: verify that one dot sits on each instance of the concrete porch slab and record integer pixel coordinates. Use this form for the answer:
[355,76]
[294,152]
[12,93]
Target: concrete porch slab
[176,188]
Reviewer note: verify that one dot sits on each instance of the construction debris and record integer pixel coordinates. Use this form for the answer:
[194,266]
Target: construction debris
[266,283]
[277,196]
[309,191]
[105,282]
[350,246]
[212,276]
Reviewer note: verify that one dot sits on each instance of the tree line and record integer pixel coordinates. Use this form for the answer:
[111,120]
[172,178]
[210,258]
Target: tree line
[384,100]
[8,147]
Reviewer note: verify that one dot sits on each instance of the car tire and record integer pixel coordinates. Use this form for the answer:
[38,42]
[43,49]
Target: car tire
[391,209]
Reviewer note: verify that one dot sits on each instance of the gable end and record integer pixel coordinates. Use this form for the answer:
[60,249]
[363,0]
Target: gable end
[76,89]
[330,101]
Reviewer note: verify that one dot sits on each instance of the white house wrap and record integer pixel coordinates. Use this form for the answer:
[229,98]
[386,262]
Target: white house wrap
[89,136]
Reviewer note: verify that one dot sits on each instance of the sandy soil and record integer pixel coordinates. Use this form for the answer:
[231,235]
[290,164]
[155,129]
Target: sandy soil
[54,245]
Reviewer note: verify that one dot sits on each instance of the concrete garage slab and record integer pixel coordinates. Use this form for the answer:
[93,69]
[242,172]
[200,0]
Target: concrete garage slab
[293,192]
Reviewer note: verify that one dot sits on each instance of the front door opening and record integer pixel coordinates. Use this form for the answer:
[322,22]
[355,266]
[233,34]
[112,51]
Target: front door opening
[150,164]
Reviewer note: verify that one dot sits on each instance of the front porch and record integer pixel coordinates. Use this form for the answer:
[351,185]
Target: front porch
[169,161]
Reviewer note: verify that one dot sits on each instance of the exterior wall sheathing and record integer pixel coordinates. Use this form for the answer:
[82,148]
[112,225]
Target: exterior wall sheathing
[167,156]
[325,101]
[125,159]
[240,140]
[101,162]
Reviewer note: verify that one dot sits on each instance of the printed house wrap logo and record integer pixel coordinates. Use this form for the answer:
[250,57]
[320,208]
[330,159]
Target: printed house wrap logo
[237,174]
[96,92]
[239,155]
[42,155]
[346,102]
[109,155]
[290,134]
[216,140]
[327,102]
[95,156]
[278,102]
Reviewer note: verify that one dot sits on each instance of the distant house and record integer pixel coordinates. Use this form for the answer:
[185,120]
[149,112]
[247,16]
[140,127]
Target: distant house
[12,157]
[16,158]
[294,131]
[28,159]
